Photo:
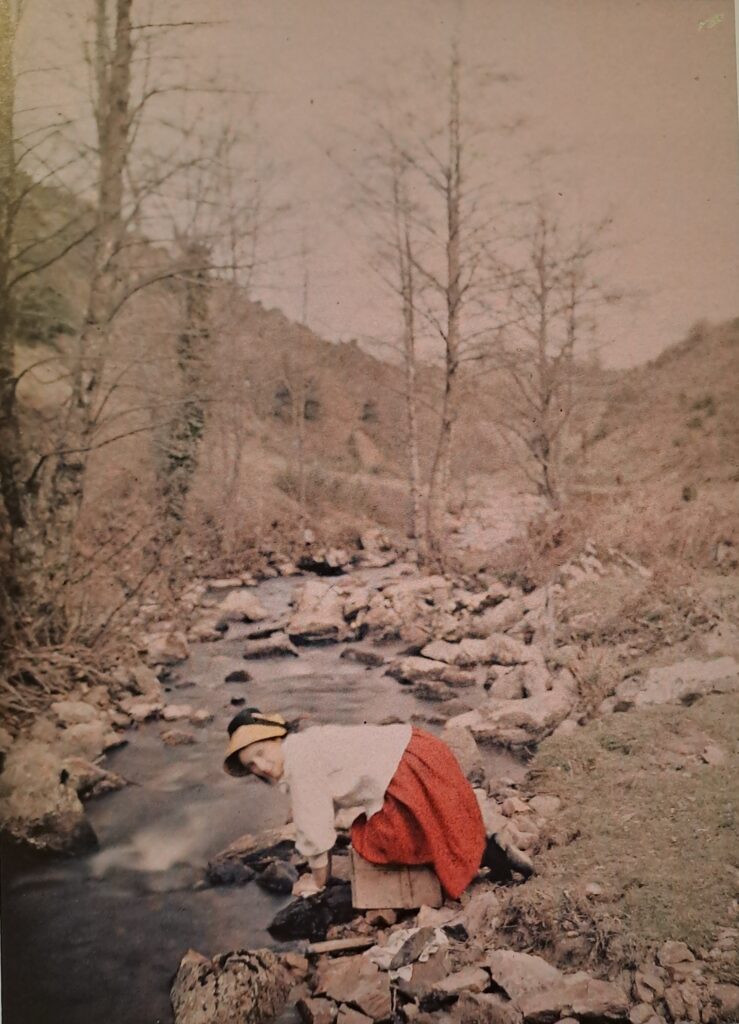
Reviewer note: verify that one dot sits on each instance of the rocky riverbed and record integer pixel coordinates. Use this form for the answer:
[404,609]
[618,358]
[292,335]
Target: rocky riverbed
[100,935]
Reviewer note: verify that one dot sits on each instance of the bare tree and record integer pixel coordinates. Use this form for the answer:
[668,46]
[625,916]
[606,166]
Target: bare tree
[553,294]
[433,202]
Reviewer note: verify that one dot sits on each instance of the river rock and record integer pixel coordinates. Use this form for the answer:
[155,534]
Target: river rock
[521,975]
[545,806]
[485,1008]
[39,810]
[420,669]
[317,1010]
[469,979]
[726,998]
[363,656]
[278,645]
[243,985]
[167,649]
[176,712]
[377,549]
[177,737]
[319,615]
[74,712]
[89,780]
[201,717]
[681,683]
[241,606]
[86,739]
[520,722]
[577,995]
[207,629]
[278,877]
[347,1015]
[497,619]
[505,684]
[240,675]
[425,974]
[464,747]
[433,690]
[145,681]
[224,583]
[355,979]
[141,709]
[672,953]
[325,562]
[239,861]
[310,917]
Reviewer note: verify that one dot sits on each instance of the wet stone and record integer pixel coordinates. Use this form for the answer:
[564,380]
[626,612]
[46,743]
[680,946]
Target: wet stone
[278,877]
[177,737]
[311,917]
[240,675]
[363,656]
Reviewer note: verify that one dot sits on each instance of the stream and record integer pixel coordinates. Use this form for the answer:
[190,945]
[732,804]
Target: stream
[99,938]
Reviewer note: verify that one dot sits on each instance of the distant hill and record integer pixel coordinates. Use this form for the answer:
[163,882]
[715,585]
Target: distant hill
[675,418]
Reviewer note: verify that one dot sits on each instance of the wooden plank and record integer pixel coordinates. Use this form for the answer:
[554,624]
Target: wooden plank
[398,887]
[341,945]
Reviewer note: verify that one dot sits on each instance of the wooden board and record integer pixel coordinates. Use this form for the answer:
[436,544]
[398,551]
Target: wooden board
[340,945]
[396,887]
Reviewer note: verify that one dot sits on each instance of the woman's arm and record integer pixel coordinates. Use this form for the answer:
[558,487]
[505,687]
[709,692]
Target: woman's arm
[315,835]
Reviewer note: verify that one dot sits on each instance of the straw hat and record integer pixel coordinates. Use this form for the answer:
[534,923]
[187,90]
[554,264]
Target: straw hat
[252,728]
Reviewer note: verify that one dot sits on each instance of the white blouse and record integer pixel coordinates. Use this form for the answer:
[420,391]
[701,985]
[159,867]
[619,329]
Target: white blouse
[329,767]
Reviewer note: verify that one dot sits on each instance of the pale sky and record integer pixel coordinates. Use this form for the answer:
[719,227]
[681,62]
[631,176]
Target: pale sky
[636,97]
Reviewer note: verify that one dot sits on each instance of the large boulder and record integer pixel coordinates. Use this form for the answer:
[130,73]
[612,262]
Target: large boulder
[520,722]
[319,615]
[681,683]
[37,808]
[245,985]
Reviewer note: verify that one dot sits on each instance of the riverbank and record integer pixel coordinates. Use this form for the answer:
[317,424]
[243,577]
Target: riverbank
[472,657]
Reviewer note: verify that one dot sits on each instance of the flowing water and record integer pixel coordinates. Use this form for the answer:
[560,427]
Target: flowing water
[98,939]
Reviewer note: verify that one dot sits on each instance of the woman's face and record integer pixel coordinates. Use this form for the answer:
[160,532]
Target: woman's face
[263,759]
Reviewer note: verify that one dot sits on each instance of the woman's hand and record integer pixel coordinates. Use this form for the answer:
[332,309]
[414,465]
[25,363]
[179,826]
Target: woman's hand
[306,885]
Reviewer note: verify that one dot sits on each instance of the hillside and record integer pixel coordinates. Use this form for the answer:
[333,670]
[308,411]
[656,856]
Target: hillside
[675,418]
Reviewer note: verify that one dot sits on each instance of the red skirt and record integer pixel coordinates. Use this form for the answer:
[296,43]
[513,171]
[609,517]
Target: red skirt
[430,816]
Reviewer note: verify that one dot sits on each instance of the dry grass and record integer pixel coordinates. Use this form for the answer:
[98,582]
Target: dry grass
[649,822]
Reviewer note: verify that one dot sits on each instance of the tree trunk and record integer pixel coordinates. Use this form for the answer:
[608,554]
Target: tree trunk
[182,444]
[441,467]
[405,261]
[113,84]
